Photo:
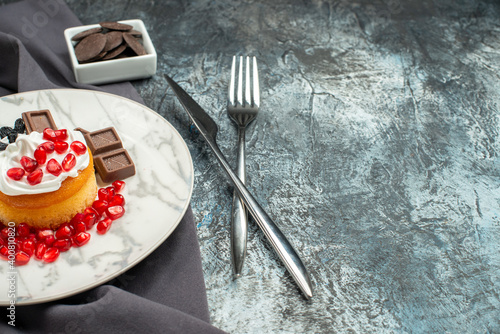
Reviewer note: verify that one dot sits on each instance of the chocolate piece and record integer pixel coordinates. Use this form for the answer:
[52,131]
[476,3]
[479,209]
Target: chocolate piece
[112,54]
[134,44]
[90,47]
[113,40]
[83,34]
[114,165]
[116,26]
[38,121]
[102,141]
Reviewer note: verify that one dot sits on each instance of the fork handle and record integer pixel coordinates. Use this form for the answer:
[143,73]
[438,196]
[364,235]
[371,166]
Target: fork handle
[239,215]
[278,241]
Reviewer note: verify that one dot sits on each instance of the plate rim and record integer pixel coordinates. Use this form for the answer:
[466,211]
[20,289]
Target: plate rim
[144,254]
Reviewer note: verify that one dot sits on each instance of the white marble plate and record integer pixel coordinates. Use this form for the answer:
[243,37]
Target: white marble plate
[156,197]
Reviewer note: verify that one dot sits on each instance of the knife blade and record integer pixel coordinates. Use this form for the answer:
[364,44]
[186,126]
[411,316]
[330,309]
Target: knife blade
[208,129]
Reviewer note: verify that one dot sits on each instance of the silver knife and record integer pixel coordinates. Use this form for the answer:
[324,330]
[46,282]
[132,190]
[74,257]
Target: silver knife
[208,129]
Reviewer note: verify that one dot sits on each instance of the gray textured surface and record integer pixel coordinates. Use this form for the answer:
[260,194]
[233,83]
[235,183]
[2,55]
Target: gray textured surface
[376,150]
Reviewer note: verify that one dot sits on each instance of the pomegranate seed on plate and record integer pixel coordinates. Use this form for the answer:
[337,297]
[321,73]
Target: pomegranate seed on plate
[28,246]
[4,252]
[28,164]
[23,230]
[63,232]
[103,194]
[62,244]
[44,233]
[111,192]
[118,199]
[100,206]
[89,219]
[35,177]
[115,212]
[51,254]
[103,226]
[22,258]
[81,238]
[40,250]
[80,227]
[16,173]
[118,185]
[49,240]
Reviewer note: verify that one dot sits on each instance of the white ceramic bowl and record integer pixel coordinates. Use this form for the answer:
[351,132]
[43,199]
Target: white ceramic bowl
[114,70]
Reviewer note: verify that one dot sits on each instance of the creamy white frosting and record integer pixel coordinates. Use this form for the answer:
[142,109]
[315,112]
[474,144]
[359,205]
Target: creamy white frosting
[26,145]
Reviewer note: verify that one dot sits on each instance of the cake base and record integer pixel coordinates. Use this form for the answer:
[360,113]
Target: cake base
[49,210]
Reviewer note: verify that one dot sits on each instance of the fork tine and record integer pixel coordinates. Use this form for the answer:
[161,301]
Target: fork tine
[231,83]
[256,88]
[248,97]
[240,82]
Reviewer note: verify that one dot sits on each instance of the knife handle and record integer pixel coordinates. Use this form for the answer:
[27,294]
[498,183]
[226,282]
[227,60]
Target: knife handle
[278,241]
[239,215]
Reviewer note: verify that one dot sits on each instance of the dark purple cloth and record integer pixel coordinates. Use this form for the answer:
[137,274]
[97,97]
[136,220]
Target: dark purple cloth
[166,292]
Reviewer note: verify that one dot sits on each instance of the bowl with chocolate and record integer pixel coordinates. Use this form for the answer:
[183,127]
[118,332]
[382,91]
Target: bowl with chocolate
[111,52]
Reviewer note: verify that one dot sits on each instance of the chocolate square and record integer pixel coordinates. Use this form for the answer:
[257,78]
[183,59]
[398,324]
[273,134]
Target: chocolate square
[38,121]
[103,140]
[114,165]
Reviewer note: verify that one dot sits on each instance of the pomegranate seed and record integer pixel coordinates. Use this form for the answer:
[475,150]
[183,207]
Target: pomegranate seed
[22,258]
[115,212]
[49,240]
[78,147]
[63,232]
[51,254]
[60,147]
[5,232]
[40,155]
[15,173]
[103,226]
[118,199]
[111,193]
[48,146]
[118,185]
[61,134]
[76,218]
[100,206]
[23,230]
[68,162]
[4,252]
[80,227]
[28,246]
[28,164]
[53,167]
[81,239]
[89,220]
[103,194]
[49,134]
[43,233]
[40,250]
[35,177]
[63,244]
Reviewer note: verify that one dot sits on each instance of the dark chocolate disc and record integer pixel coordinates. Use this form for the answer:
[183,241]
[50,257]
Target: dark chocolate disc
[115,52]
[83,34]
[113,39]
[90,47]
[134,44]
[116,26]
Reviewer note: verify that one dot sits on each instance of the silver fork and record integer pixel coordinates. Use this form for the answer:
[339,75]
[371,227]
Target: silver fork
[242,112]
